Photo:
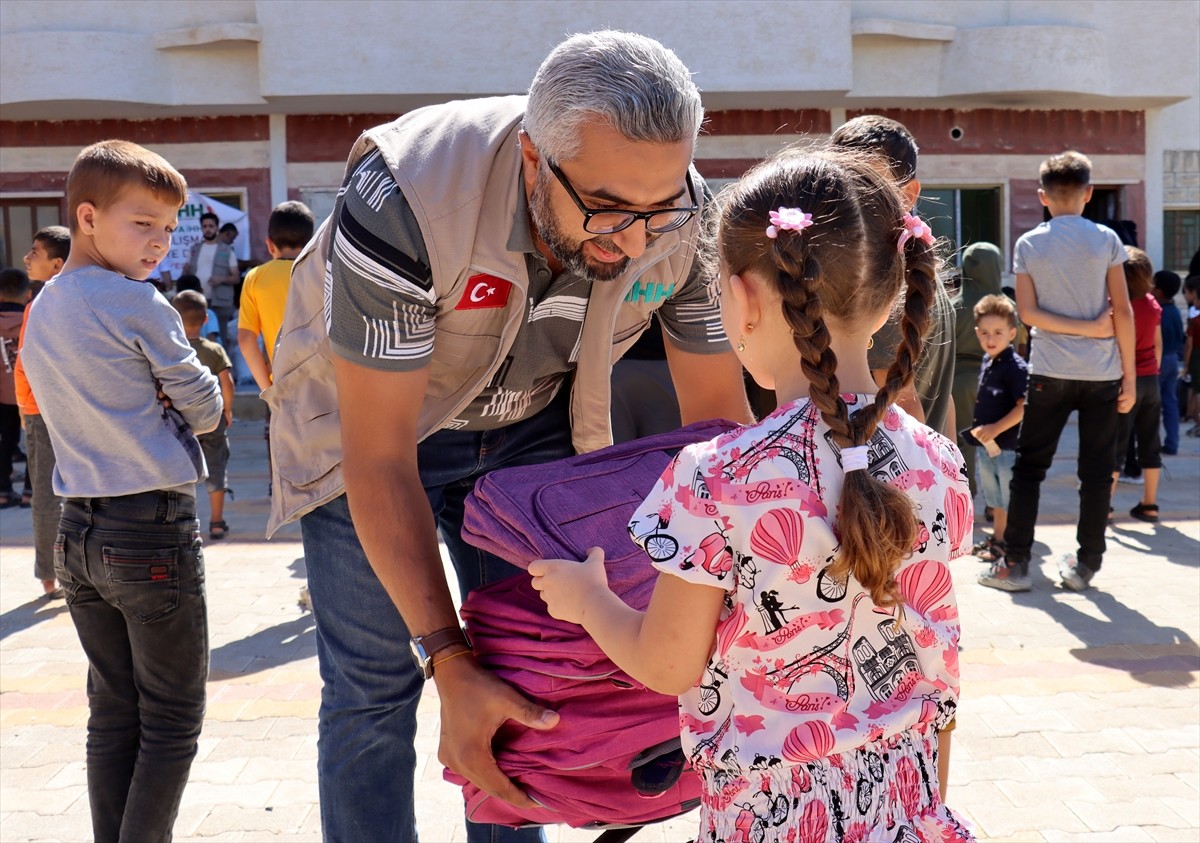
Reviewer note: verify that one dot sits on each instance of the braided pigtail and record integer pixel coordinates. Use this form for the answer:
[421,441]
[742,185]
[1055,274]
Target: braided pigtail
[800,285]
[832,225]
[877,525]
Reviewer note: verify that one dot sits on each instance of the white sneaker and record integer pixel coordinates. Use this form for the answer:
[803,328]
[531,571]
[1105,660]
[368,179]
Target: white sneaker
[1132,481]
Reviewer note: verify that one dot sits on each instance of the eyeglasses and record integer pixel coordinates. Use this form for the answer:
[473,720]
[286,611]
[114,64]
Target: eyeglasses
[610,222]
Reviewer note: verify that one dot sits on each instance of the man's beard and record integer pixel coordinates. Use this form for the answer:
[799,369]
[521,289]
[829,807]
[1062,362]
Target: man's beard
[208,239]
[569,254]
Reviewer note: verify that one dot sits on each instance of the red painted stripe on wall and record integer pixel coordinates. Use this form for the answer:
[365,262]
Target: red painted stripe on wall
[27,182]
[1001,131]
[171,130]
[769,122]
[327,137]
[724,168]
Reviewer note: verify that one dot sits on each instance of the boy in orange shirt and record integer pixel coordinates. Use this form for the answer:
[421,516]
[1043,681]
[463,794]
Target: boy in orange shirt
[46,256]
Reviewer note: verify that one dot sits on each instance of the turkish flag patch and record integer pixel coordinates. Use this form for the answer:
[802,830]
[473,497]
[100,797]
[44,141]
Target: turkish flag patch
[484,291]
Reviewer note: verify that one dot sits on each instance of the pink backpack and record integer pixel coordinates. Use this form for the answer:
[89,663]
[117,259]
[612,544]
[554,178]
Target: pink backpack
[614,759]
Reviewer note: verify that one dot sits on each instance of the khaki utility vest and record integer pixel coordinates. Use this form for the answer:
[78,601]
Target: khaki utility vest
[459,167]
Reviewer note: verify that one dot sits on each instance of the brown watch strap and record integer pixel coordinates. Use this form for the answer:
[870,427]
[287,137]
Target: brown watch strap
[440,639]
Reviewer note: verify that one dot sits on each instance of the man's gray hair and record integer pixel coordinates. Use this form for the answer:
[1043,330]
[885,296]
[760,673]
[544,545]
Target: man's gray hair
[631,82]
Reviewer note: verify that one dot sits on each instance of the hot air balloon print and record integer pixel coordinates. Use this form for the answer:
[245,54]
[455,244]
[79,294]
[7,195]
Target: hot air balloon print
[809,741]
[729,629]
[925,585]
[958,516]
[814,823]
[777,536]
[909,786]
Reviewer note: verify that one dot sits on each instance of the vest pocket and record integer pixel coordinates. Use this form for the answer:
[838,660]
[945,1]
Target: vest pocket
[144,583]
[306,427]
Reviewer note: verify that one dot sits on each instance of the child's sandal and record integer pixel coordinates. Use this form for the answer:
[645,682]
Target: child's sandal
[217,530]
[989,549]
[1145,512]
[994,551]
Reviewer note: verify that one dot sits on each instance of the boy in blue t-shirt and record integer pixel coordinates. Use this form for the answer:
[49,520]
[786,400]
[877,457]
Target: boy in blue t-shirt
[999,407]
[1071,291]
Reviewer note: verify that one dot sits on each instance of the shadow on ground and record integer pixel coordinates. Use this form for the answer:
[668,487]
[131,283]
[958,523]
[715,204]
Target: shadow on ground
[285,642]
[1160,542]
[1116,635]
[30,614]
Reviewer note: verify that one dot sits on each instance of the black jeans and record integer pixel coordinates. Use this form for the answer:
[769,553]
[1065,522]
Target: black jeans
[10,438]
[133,573]
[47,506]
[1048,405]
[1141,425]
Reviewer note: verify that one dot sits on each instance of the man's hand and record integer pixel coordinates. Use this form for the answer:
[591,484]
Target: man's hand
[475,704]
[985,433]
[567,587]
[1128,395]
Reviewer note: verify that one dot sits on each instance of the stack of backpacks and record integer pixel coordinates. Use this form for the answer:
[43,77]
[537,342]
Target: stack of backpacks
[614,759]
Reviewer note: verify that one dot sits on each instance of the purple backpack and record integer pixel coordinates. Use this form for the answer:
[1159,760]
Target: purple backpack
[614,759]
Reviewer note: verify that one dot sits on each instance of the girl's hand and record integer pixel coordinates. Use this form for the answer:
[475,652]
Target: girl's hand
[567,587]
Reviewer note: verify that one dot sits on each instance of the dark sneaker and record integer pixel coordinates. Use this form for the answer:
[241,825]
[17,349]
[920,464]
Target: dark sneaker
[1013,577]
[1075,577]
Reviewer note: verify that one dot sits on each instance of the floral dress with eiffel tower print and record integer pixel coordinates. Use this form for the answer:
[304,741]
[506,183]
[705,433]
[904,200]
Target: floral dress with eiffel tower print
[816,718]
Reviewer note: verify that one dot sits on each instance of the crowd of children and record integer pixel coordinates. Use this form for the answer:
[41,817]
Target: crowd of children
[812,251]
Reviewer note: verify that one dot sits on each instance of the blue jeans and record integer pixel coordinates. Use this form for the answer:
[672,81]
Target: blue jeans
[1049,402]
[995,475]
[368,717]
[133,573]
[1168,376]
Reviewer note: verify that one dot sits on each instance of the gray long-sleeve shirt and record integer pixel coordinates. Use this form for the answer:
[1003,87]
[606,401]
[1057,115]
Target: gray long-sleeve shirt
[95,345]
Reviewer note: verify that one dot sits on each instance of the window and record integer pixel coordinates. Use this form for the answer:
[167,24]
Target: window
[1181,239]
[20,218]
[320,200]
[963,215]
[1106,207]
[233,197]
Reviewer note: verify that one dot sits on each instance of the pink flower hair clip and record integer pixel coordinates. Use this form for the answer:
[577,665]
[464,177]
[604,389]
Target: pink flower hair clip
[788,219]
[915,229]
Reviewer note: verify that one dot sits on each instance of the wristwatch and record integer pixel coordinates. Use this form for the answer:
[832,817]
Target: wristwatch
[425,647]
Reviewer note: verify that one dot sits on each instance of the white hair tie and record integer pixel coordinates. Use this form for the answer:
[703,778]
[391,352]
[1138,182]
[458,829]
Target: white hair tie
[855,459]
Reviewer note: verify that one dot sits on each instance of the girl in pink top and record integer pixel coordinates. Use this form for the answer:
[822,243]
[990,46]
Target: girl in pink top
[808,622]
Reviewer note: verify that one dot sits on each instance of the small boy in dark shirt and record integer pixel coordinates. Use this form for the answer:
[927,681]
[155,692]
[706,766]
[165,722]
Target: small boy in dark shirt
[999,407]
[193,310]
[1166,287]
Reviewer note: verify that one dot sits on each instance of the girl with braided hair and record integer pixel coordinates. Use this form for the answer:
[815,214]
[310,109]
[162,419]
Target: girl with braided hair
[816,663]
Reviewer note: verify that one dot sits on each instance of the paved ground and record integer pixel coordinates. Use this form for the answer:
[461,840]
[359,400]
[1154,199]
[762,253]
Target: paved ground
[1080,717]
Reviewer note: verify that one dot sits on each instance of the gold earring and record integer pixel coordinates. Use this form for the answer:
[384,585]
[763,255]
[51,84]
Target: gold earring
[870,342]
[741,344]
